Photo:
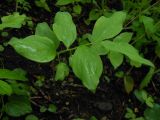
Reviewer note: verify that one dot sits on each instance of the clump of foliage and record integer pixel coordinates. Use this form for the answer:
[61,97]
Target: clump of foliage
[119,36]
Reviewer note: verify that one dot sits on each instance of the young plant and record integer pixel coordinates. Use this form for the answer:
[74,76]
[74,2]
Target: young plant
[85,61]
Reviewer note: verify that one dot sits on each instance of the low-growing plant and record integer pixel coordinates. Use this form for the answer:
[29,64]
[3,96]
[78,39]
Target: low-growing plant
[120,36]
[85,62]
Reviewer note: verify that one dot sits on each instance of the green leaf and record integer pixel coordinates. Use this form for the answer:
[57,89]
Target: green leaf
[93,118]
[16,74]
[78,119]
[115,58]
[150,101]
[5,88]
[130,114]
[42,4]
[106,28]
[31,117]
[148,24]
[44,30]
[123,37]
[43,109]
[87,66]
[52,108]
[128,83]
[34,47]
[64,28]
[94,14]
[77,9]
[146,80]
[1,48]
[126,49]
[62,71]
[18,106]
[19,88]
[12,21]
[140,95]
[64,2]
[99,49]
[152,113]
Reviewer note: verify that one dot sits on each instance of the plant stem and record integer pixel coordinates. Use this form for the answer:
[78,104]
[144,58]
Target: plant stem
[71,49]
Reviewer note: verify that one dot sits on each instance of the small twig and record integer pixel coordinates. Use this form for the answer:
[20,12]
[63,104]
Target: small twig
[34,103]
[36,97]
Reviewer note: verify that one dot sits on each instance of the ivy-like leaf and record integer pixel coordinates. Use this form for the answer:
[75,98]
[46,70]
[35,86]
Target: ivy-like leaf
[87,66]
[5,88]
[106,28]
[44,30]
[126,49]
[64,28]
[12,21]
[16,74]
[34,47]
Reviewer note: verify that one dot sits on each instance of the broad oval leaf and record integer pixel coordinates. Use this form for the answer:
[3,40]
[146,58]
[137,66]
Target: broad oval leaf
[127,50]
[44,30]
[34,47]
[5,88]
[18,106]
[16,74]
[64,28]
[106,28]
[87,66]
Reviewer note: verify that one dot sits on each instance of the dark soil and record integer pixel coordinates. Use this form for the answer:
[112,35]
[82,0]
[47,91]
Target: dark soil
[71,98]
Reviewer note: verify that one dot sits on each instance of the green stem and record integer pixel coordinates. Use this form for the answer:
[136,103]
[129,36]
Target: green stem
[71,49]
